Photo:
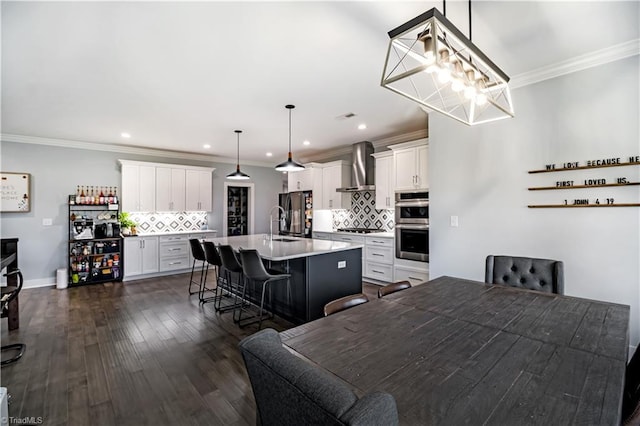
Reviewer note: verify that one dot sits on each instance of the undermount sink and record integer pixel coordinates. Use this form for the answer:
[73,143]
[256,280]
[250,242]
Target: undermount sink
[284,240]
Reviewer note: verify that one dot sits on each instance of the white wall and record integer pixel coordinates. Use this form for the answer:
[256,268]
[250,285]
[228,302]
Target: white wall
[480,174]
[56,171]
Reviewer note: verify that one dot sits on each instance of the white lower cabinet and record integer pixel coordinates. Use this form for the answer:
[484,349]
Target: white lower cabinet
[413,275]
[379,257]
[141,256]
[174,252]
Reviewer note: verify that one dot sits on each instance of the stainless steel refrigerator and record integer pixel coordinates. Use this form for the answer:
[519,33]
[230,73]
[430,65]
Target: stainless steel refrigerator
[298,212]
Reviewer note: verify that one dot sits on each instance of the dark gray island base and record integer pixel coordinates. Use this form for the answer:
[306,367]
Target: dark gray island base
[321,271]
[316,280]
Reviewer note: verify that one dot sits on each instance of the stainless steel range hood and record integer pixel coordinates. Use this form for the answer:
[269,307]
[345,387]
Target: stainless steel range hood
[362,168]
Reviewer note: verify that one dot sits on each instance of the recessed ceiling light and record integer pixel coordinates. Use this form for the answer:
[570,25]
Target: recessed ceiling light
[362,126]
[125,135]
[206,146]
[306,143]
[269,154]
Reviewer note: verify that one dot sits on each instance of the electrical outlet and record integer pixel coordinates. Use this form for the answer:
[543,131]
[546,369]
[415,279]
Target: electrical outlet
[47,221]
[342,264]
[454,221]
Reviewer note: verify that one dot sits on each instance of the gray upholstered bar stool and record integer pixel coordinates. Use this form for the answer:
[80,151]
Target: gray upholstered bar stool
[197,253]
[254,271]
[230,267]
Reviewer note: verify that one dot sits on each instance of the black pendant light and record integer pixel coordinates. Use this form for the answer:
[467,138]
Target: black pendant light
[238,175]
[289,165]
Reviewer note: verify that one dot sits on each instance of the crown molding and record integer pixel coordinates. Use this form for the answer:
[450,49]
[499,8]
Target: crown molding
[378,144]
[578,63]
[124,149]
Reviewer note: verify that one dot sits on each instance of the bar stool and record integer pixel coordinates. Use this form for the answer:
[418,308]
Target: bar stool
[213,259]
[230,266]
[198,256]
[254,271]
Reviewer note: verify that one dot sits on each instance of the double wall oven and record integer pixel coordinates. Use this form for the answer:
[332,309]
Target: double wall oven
[412,226]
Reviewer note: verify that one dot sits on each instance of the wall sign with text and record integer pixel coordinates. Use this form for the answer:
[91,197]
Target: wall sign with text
[15,192]
[566,182]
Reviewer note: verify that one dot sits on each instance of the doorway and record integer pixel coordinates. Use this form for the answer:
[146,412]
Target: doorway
[238,211]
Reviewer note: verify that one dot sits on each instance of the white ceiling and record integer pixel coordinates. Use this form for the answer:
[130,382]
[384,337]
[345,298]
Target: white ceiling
[179,75]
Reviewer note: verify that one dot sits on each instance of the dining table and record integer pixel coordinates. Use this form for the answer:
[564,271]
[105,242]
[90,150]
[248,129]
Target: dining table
[454,351]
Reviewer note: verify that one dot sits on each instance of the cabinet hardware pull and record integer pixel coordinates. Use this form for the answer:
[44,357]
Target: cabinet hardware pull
[377,272]
[174,263]
[376,254]
[414,278]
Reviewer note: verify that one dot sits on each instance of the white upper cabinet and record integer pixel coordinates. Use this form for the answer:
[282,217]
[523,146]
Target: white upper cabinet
[410,162]
[170,189]
[198,190]
[152,187]
[138,187]
[384,180]
[336,174]
[302,180]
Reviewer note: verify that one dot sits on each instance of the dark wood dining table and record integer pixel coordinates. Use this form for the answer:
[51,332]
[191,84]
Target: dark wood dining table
[453,351]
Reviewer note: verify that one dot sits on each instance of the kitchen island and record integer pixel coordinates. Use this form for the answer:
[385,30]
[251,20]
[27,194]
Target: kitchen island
[320,270]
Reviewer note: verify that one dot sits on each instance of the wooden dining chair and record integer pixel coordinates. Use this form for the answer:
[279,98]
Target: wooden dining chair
[393,287]
[525,272]
[344,303]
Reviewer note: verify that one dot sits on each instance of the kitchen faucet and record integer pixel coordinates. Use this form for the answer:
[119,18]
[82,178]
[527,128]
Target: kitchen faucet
[271,219]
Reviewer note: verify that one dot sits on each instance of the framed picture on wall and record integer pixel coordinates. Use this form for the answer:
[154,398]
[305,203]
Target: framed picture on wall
[15,191]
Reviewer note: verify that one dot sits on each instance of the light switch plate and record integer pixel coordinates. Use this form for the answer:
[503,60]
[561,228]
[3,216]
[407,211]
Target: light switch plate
[454,221]
[47,221]
[342,264]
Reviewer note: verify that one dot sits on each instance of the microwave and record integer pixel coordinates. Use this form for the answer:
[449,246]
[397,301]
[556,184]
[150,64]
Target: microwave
[412,208]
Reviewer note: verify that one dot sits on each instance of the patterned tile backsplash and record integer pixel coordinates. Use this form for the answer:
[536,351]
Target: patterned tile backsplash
[363,214]
[158,223]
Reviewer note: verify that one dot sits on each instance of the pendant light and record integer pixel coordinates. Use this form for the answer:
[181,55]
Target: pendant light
[238,175]
[289,165]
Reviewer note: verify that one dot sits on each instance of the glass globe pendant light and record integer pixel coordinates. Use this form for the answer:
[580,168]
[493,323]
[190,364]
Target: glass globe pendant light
[289,165]
[238,175]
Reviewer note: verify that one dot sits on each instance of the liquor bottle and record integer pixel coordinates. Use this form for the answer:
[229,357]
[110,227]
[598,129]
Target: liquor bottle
[82,196]
[115,195]
[110,197]
[101,196]
[96,197]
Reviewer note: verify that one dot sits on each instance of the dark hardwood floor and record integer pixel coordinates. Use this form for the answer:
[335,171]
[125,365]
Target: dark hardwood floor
[137,353]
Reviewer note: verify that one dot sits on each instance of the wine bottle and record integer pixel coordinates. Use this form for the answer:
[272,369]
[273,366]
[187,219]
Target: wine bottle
[115,195]
[110,197]
[101,197]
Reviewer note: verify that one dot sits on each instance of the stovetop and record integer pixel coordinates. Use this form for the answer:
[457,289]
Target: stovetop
[360,230]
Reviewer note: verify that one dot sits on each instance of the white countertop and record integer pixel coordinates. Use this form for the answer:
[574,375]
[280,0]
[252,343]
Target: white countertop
[372,234]
[279,250]
[157,234]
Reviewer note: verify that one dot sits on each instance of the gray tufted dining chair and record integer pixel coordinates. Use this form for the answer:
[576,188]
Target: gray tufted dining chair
[525,272]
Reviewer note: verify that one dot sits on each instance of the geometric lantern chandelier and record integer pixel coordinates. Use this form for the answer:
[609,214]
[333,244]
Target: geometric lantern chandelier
[432,63]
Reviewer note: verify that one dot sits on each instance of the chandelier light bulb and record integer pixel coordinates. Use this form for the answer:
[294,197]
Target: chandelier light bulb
[432,68]
[481,99]
[429,50]
[444,75]
[457,85]
[469,92]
